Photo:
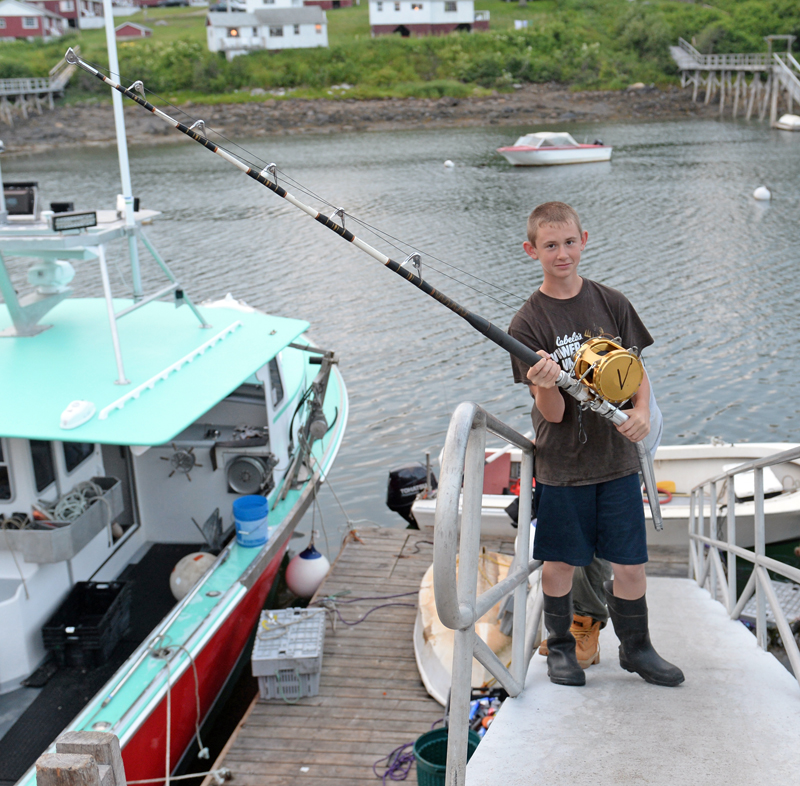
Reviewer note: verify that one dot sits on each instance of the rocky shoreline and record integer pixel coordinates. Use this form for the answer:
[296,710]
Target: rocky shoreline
[531,105]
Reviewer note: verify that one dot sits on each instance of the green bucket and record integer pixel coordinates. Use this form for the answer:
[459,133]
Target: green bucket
[430,751]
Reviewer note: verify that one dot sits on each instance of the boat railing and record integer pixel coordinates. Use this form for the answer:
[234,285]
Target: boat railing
[456,553]
[705,550]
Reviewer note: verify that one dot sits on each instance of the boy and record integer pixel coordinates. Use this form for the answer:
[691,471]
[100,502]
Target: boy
[588,498]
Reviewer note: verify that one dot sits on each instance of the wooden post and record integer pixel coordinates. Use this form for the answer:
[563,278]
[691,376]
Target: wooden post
[754,85]
[65,769]
[696,85]
[709,86]
[765,100]
[773,107]
[739,75]
[82,758]
[722,93]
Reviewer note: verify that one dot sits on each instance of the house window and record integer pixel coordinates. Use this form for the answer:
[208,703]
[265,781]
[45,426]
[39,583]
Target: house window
[297,29]
[318,28]
[450,5]
[276,32]
[379,6]
[5,478]
[269,2]
[233,32]
[29,23]
[255,32]
[416,6]
[44,470]
[397,6]
[66,5]
[75,453]
[2,24]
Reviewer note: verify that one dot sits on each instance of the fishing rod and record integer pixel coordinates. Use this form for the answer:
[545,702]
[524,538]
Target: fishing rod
[586,388]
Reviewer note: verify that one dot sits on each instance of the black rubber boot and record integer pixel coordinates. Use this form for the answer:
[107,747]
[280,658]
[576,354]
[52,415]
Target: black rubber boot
[562,664]
[636,653]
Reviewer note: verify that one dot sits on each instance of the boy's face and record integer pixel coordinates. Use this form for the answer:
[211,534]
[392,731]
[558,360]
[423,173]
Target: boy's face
[558,247]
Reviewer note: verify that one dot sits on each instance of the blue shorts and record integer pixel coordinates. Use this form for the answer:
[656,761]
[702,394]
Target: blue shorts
[575,523]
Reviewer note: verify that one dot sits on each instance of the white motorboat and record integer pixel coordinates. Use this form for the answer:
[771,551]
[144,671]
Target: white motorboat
[788,123]
[545,148]
[678,469]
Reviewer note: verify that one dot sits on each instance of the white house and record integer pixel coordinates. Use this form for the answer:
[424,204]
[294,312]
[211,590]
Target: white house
[267,24]
[425,17]
[21,20]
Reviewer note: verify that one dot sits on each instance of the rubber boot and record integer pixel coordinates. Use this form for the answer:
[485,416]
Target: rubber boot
[636,653]
[562,665]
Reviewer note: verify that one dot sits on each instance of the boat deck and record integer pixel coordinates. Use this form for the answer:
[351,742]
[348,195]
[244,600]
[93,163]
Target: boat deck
[371,699]
[733,722]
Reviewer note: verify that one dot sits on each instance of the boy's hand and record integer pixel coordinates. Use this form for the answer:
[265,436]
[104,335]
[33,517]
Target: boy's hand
[545,373]
[637,426]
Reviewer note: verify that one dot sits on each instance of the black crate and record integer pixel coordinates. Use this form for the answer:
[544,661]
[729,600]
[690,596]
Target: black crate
[89,623]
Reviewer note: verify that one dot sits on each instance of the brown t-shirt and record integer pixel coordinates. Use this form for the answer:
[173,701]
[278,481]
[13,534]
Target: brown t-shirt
[583,448]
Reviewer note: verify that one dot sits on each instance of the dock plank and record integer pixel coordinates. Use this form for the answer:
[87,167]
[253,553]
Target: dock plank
[371,699]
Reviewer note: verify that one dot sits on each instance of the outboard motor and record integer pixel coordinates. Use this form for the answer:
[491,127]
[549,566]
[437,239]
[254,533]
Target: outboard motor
[404,484]
[597,141]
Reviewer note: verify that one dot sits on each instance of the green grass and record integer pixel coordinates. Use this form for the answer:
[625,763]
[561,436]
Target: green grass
[586,44]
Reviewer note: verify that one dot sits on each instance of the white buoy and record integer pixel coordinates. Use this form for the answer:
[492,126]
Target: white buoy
[187,571]
[306,571]
[762,194]
[449,164]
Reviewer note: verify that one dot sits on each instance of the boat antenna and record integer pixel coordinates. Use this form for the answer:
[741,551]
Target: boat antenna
[122,151]
[571,385]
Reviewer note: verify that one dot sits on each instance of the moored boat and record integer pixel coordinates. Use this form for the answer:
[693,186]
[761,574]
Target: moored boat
[545,148]
[678,468]
[788,123]
[172,411]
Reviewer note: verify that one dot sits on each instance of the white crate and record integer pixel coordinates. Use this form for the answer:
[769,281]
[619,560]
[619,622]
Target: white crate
[287,654]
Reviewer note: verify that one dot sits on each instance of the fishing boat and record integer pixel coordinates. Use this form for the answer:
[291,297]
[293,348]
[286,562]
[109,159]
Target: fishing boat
[788,123]
[433,642]
[678,468]
[545,148]
[129,427]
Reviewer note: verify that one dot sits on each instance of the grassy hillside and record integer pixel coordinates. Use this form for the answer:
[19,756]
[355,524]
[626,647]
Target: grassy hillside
[583,43]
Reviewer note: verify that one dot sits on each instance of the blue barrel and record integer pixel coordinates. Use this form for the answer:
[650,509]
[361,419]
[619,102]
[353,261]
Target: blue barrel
[250,516]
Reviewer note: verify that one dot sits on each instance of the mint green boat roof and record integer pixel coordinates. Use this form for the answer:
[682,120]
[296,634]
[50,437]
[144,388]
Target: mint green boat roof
[162,345]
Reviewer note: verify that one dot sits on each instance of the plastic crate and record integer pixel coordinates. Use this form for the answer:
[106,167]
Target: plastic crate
[89,623]
[287,654]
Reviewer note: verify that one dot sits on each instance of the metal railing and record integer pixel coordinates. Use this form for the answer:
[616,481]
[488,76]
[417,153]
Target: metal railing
[706,563]
[455,570]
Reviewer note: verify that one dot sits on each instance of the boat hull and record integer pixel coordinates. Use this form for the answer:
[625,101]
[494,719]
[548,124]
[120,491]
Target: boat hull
[530,156]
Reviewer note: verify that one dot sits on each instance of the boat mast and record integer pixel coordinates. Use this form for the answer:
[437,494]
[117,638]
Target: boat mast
[122,150]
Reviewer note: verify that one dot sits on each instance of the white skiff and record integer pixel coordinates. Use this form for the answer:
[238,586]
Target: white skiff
[545,148]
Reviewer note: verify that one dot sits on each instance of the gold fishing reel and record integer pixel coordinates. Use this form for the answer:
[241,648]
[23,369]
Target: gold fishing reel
[609,370]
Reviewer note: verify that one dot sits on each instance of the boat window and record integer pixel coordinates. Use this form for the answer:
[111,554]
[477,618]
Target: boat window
[44,470]
[275,382]
[5,479]
[75,453]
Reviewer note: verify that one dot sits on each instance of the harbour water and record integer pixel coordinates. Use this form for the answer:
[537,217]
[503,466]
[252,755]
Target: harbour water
[671,222]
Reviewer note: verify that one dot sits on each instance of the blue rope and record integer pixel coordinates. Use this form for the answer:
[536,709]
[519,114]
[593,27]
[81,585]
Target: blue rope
[398,764]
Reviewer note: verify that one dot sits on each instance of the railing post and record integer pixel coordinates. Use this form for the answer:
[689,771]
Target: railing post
[712,533]
[701,528]
[693,569]
[469,555]
[731,557]
[761,606]
[521,558]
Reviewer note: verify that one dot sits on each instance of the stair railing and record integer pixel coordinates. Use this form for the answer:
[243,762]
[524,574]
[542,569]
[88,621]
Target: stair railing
[456,554]
[706,565]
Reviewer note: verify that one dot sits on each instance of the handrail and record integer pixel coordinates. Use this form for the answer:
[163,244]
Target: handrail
[749,60]
[787,76]
[456,554]
[706,565]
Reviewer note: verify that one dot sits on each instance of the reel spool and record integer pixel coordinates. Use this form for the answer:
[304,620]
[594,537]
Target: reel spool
[609,370]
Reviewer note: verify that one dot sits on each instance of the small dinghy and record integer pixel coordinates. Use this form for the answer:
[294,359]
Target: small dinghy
[545,148]
[433,642]
[788,123]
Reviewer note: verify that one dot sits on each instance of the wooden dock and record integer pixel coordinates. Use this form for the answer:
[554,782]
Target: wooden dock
[371,699]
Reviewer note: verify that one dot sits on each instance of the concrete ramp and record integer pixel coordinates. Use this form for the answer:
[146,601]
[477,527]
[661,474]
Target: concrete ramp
[735,721]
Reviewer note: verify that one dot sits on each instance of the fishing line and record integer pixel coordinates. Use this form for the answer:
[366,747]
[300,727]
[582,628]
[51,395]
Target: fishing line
[256,162]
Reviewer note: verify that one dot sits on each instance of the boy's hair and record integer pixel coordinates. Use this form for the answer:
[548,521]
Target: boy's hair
[551,213]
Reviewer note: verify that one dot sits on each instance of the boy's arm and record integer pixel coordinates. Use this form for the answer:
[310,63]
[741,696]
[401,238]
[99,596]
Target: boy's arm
[542,385]
[637,426]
